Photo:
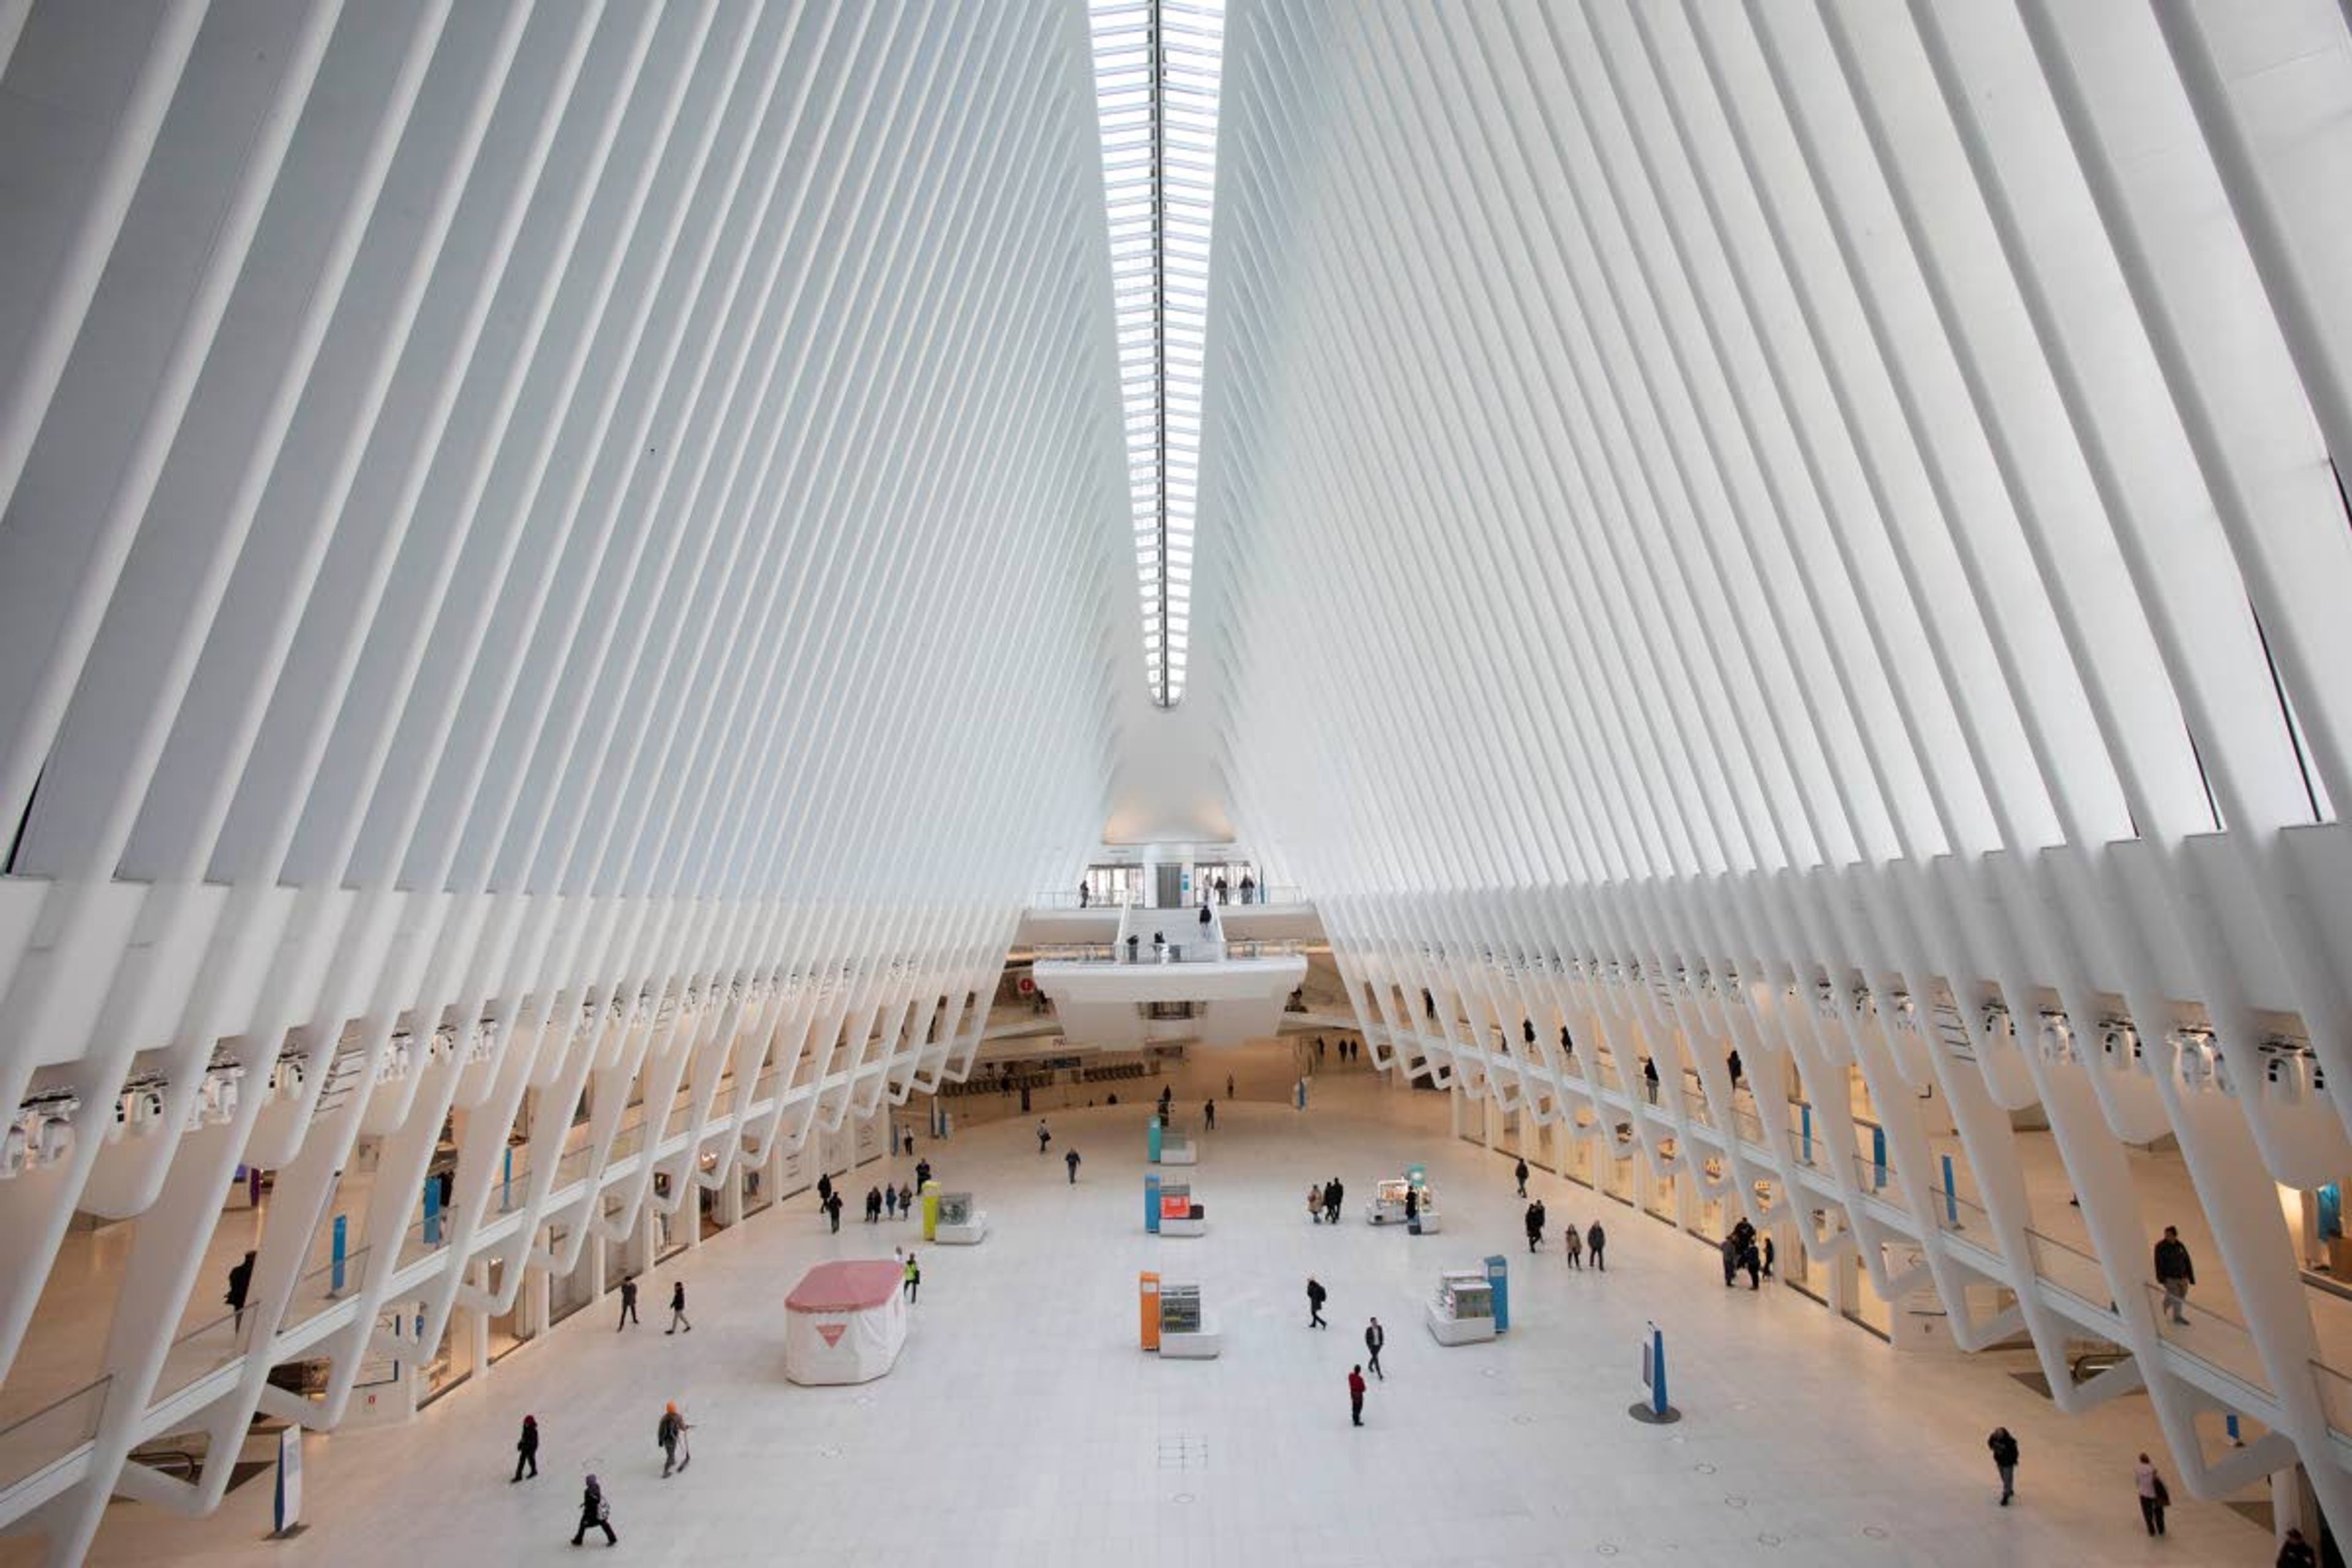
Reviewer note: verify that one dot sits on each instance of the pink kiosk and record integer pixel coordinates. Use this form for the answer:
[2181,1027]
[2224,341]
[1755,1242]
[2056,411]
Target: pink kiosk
[844,1322]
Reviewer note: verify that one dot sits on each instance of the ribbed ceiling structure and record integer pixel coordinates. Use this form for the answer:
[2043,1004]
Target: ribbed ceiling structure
[1812,528]
[566,570]
[548,547]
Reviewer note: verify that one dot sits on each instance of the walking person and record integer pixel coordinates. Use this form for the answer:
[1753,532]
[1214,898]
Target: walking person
[1572,1247]
[911,1283]
[670,1433]
[1315,1203]
[873,1206]
[824,1191]
[1356,1395]
[595,1513]
[1043,1137]
[1768,1256]
[2295,1552]
[1649,1076]
[677,1286]
[1339,1195]
[832,1211]
[1521,1174]
[1375,1337]
[1535,1227]
[629,1303]
[2004,1460]
[2155,1497]
[240,1283]
[906,1201]
[1229,1086]
[1209,1114]
[889,1203]
[1595,1238]
[1071,1159]
[2175,1272]
[527,1449]
[922,1174]
[1316,1297]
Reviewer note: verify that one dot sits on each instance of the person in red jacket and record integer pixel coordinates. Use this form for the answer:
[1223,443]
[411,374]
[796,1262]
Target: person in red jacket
[1356,1395]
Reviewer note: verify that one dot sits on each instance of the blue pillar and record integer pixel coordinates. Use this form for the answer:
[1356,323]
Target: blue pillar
[1499,1278]
[335,1277]
[1951,1200]
[432,1212]
[1877,1158]
[1151,1204]
[1805,1126]
[506,1181]
[1152,1136]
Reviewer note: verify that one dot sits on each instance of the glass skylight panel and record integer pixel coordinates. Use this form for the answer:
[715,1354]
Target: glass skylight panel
[1157,64]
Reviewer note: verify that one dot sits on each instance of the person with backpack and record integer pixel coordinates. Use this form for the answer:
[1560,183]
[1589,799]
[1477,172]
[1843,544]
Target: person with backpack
[527,1449]
[595,1513]
[2004,1460]
[2155,1497]
[1595,1238]
[669,1436]
[677,1286]
[629,1303]
[1316,1297]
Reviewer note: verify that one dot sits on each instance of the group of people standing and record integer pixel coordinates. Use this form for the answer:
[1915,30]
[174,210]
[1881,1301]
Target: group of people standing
[879,1200]
[1743,1249]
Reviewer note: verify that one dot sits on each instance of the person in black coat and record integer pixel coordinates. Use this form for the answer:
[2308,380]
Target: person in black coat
[678,1288]
[2004,1460]
[1316,1297]
[628,1304]
[1595,1238]
[240,1283]
[1375,1337]
[527,1447]
[1520,1173]
[594,1514]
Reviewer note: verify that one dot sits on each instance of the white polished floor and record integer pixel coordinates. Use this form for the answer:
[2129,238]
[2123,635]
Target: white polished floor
[1024,1426]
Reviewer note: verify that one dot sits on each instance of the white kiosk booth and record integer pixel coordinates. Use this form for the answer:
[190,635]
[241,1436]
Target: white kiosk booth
[845,1321]
[960,1224]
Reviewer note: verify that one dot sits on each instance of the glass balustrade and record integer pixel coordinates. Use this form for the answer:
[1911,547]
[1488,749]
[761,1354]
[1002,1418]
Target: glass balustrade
[2335,1398]
[32,1443]
[2070,1269]
[2217,1340]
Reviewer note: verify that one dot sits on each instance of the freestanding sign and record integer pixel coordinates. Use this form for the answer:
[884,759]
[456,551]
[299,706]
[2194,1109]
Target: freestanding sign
[1499,1278]
[286,1507]
[1653,1407]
